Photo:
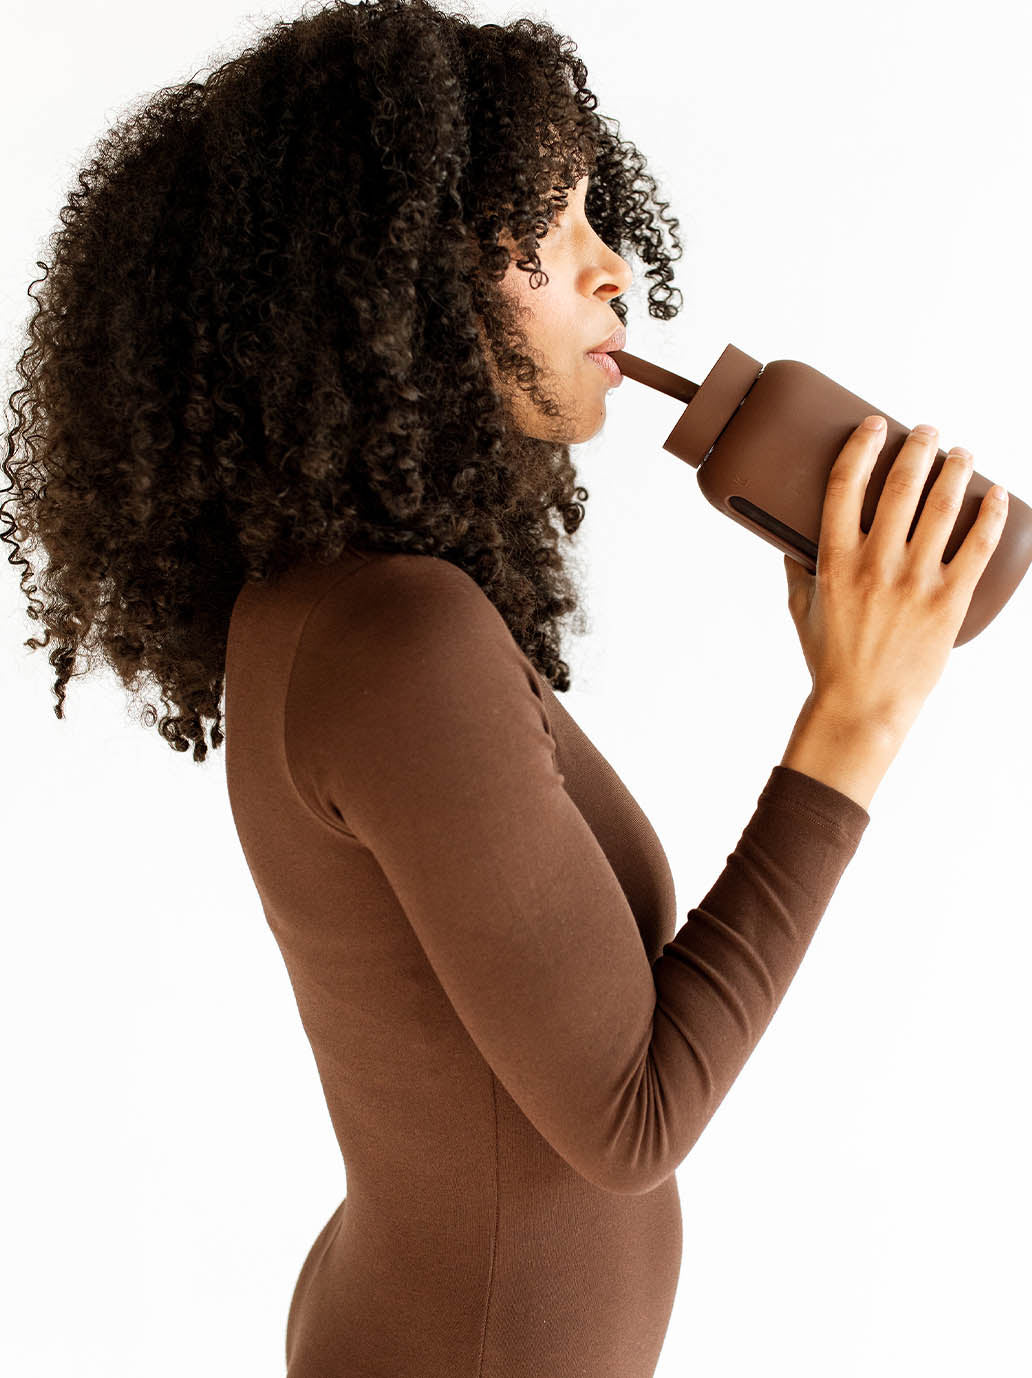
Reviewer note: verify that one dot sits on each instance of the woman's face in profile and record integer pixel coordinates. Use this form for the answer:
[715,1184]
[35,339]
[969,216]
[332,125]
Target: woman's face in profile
[564,318]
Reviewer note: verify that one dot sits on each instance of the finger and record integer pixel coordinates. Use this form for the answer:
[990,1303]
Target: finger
[941,507]
[901,492]
[846,486]
[968,564]
[795,571]
[790,577]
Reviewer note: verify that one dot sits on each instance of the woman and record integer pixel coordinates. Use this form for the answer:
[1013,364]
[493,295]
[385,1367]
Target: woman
[300,398]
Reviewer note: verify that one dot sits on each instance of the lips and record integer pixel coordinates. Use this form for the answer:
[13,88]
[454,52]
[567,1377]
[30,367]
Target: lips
[618,340]
[607,364]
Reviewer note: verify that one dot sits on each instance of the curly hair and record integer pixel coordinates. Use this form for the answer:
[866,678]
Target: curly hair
[262,339]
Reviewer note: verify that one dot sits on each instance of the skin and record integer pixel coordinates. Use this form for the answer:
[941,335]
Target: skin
[563,318]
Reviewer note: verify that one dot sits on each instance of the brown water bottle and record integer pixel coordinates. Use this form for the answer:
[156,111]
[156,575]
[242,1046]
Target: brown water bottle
[764,439]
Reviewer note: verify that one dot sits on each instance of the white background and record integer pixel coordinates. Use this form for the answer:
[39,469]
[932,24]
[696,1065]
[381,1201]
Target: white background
[853,189]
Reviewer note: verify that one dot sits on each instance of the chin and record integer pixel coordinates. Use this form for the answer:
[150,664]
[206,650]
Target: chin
[592,428]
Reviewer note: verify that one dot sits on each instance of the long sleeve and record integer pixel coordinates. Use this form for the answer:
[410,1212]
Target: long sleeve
[417,720]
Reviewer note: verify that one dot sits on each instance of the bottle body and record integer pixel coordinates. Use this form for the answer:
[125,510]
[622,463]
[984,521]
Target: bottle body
[764,440]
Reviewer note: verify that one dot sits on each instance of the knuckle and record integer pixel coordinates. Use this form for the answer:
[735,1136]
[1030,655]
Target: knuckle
[900,482]
[953,596]
[944,500]
[830,558]
[910,585]
[868,578]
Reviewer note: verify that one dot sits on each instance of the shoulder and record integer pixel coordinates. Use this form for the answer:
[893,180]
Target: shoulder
[398,594]
[399,617]
[405,650]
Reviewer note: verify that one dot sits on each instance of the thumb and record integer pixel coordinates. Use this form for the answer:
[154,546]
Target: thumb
[796,576]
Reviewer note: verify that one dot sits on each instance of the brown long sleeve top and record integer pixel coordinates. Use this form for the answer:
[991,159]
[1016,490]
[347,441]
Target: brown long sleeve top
[516,1047]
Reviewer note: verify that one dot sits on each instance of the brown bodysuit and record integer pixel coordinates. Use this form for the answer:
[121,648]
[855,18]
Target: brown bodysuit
[517,1043]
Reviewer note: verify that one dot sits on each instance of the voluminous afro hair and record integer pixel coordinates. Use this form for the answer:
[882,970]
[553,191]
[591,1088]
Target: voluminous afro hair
[261,340]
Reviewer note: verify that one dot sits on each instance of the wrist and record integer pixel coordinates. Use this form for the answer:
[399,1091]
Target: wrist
[849,753]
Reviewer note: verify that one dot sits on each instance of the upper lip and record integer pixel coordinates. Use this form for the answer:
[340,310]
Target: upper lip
[616,341]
